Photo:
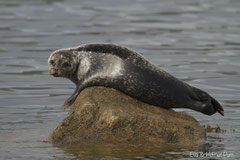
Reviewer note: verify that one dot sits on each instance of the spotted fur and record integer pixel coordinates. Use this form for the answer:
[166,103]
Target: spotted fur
[123,69]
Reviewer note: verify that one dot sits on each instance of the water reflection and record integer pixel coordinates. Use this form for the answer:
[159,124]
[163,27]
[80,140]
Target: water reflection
[213,147]
[132,151]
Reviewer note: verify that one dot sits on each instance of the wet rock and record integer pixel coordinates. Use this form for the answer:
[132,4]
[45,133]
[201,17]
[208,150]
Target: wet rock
[102,114]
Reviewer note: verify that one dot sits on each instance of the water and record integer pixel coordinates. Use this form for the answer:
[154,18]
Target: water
[198,41]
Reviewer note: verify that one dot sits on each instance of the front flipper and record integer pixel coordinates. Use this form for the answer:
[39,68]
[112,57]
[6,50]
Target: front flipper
[71,99]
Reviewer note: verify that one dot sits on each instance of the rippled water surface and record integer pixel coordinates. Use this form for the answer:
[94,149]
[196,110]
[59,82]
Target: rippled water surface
[198,41]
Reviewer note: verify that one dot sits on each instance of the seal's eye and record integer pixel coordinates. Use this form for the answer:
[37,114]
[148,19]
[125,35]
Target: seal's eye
[66,64]
[52,62]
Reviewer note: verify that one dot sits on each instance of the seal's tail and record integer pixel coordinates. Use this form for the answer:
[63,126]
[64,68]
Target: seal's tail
[206,104]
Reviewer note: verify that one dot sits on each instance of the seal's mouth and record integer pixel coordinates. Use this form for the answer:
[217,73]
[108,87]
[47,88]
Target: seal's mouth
[54,72]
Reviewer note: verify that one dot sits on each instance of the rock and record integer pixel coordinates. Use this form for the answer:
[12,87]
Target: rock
[102,114]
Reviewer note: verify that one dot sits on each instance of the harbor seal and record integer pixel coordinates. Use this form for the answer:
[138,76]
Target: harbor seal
[123,69]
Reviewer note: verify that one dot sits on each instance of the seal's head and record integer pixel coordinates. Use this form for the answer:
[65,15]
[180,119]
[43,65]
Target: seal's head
[62,63]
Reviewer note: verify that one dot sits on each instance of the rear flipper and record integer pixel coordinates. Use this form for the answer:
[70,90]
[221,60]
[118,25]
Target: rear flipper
[205,103]
[212,107]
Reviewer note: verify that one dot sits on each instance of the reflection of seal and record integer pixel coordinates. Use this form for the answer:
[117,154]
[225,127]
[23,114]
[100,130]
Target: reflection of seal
[120,68]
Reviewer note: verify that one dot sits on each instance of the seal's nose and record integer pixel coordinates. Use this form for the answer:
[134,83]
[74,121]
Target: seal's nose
[53,72]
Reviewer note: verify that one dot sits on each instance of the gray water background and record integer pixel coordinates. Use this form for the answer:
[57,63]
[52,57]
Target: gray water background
[197,41]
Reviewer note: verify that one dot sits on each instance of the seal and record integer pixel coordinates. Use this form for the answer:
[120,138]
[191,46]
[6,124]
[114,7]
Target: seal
[123,69]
